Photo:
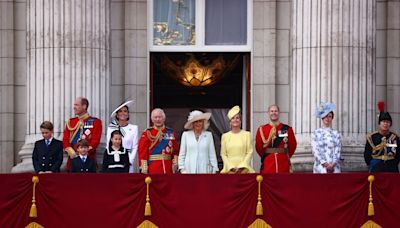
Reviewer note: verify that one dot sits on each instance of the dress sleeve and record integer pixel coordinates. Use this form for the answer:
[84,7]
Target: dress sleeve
[316,148]
[249,151]
[338,147]
[212,154]
[105,162]
[224,154]
[182,152]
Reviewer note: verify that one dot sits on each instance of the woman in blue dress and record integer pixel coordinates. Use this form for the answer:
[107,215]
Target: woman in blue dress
[326,142]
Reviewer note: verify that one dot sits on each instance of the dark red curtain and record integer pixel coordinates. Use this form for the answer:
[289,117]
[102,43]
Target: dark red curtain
[118,200]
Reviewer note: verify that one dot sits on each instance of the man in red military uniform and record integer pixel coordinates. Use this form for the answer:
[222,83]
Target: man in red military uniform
[275,143]
[83,126]
[158,149]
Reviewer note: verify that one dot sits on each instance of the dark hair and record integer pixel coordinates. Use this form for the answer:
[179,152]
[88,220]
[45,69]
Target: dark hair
[115,132]
[333,115]
[116,115]
[85,102]
[82,143]
[47,125]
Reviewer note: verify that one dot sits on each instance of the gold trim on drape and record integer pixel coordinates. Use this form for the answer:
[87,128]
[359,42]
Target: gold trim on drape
[259,223]
[33,210]
[371,209]
[147,208]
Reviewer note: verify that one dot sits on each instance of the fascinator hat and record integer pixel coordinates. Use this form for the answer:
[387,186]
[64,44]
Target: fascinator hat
[195,116]
[324,109]
[126,103]
[233,112]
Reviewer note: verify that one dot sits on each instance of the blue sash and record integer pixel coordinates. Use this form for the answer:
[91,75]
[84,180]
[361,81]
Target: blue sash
[374,162]
[77,136]
[161,145]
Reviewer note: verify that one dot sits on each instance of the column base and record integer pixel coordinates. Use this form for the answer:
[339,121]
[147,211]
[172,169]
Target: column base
[26,165]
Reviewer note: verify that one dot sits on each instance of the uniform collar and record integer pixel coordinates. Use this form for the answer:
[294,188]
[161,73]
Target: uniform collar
[84,116]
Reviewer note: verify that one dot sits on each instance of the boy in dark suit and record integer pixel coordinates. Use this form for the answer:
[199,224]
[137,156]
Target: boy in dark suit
[47,154]
[83,163]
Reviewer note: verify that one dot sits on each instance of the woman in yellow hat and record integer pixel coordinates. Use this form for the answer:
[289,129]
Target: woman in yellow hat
[236,146]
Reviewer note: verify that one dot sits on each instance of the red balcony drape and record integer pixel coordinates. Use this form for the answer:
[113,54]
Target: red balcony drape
[118,200]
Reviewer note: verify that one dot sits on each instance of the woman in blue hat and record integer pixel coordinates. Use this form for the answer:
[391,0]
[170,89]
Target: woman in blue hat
[326,142]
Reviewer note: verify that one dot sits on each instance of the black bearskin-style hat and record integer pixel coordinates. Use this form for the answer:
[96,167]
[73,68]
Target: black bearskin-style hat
[382,114]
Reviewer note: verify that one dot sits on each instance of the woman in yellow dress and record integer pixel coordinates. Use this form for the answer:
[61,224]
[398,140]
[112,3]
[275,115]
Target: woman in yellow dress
[236,146]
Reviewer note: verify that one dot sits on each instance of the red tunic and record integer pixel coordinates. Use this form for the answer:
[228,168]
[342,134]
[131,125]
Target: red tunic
[86,127]
[275,162]
[148,143]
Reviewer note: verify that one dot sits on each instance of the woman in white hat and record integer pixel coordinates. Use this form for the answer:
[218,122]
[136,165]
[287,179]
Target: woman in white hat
[236,146]
[326,142]
[120,121]
[197,152]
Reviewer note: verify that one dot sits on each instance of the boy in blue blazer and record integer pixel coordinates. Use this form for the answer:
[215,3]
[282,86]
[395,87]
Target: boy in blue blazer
[82,163]
[47,154]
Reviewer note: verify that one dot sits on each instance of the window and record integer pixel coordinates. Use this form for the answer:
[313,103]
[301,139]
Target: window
[200,25]
[174,22]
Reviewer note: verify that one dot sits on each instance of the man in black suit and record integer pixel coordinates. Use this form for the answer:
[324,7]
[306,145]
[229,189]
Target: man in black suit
[83,163]
[47,155]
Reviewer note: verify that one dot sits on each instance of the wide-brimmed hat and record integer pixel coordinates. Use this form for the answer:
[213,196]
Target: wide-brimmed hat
[126,103]
[233,112]
[195,116]
[324,109]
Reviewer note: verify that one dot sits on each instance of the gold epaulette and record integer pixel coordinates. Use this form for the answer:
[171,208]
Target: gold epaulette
[272,133]
[369,139]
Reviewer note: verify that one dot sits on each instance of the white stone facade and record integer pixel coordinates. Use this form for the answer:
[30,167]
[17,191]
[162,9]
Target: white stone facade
[50,52]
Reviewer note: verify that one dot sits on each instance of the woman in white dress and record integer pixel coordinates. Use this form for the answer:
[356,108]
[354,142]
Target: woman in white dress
[326,142]
[197,152]
[120,121]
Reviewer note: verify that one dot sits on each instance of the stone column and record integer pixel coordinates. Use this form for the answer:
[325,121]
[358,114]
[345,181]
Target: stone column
[264,63]
[67,56]
[333,59]
[6,85]
[393,62]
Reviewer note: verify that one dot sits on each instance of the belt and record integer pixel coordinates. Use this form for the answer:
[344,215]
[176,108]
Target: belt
[115,166]
[276,150]
[160,157]
[383,157]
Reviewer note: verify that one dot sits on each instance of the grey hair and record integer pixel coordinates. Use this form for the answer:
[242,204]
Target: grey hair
[158,110]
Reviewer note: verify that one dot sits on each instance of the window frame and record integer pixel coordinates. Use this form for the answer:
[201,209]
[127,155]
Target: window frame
[200,45]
